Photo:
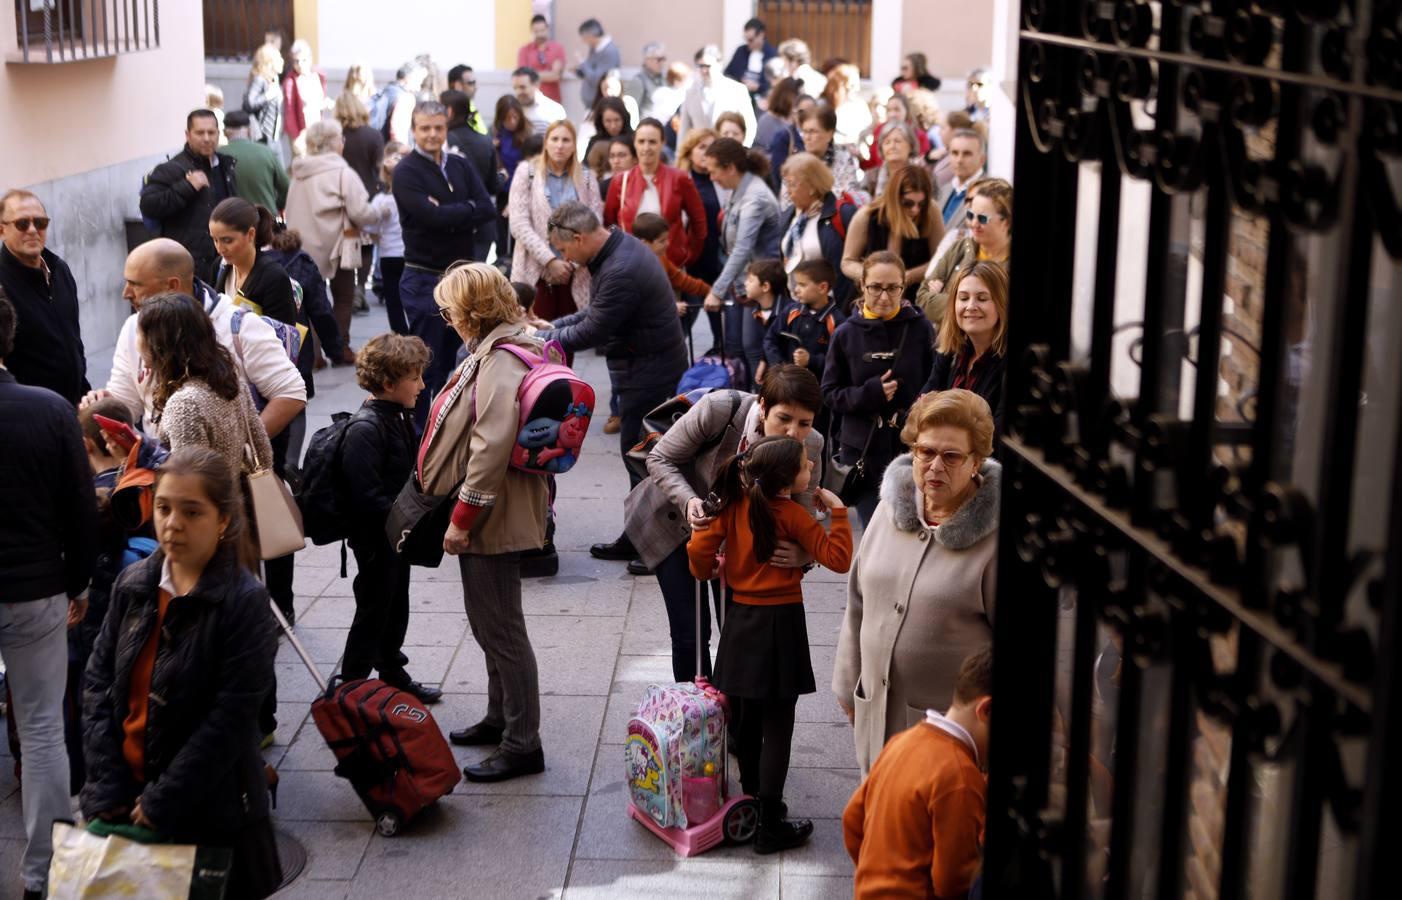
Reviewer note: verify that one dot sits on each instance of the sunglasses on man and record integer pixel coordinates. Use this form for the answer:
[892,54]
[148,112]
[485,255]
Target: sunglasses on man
[40,223]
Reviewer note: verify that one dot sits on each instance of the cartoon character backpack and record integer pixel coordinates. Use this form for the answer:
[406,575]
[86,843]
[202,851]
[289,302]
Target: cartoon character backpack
[675,755]
[556,406]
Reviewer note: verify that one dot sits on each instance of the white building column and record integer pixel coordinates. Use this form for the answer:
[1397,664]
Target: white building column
[735,13]
[1002,98]
[887,17]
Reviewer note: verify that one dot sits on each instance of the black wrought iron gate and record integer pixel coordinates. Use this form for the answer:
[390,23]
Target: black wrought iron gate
[1197,687]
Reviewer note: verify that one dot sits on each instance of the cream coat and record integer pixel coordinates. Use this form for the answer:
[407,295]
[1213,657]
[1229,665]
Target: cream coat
[325,198]
[529,215]
[918,602]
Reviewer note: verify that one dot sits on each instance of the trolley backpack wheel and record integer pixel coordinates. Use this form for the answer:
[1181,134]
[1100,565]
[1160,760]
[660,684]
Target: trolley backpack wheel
[742,821]
[388,823]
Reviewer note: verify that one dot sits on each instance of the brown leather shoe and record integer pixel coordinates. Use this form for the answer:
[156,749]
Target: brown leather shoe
[614,425]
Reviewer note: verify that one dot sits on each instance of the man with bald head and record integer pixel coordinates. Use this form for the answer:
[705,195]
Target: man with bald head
[163,266]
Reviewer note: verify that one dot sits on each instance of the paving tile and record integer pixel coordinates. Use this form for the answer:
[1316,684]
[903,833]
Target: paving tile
[812,887]
[435,630]
[822,745]
[701,877]
[563,595]
[307,889]
[823,629]
[333,849]
[822,793]
[575,656]
[823,856]
[475,846]
[325,646]
[318,797]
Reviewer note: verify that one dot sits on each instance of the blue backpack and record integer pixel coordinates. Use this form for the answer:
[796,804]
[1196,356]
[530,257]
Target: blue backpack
[289,335]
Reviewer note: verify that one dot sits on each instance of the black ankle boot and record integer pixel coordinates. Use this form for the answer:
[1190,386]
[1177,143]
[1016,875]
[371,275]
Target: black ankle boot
[778,832]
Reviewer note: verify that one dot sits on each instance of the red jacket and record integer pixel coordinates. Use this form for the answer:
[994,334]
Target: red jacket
[677,194]
[294,120]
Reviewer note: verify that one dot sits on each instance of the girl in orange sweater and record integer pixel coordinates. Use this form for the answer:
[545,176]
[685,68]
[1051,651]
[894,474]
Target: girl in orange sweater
[763,663]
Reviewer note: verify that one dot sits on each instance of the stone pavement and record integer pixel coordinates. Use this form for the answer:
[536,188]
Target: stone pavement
[600,638]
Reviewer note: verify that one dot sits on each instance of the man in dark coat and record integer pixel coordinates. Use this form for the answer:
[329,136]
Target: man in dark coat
[475,147]
[747,66]
[441,204]
[181,192]
[48,549]
[632,314]
[48,349]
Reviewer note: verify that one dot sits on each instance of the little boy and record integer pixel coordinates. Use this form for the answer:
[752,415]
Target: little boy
[915,826]
[103,461]
[376,457]
[764,287]
[802,330]
[652,229]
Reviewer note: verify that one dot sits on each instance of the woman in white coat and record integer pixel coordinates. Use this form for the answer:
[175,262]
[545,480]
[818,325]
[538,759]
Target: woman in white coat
[537,189]
[921,590]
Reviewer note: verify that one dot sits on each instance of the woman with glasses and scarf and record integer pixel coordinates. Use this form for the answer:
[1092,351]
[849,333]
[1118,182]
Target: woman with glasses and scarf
[933,546]
[877,362]
[903,220]
[818,127]
[990,222]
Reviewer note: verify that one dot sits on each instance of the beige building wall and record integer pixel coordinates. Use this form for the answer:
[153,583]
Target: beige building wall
[955,35]
[683,25]
[62,119]
[82,135]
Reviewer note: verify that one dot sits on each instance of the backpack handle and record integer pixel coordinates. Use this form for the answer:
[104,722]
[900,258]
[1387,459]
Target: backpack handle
[552,352]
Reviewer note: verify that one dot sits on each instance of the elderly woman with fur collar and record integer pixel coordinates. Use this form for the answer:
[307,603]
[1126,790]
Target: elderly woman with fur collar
[921,590]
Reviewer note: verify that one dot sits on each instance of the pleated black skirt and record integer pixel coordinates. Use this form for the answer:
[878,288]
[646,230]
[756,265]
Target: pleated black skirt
[763,652]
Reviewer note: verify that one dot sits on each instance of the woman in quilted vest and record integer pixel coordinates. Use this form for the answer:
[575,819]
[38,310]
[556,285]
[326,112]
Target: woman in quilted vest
[500,511]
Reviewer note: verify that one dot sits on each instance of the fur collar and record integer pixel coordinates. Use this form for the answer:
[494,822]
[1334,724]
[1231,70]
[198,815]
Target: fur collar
[974,521]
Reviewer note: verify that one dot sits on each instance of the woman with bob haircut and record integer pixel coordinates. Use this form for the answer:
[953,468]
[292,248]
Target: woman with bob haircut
[933,544]
[500,511]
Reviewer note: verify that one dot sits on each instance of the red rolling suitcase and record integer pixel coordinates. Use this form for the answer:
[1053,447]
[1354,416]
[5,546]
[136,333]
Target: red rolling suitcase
[387,744]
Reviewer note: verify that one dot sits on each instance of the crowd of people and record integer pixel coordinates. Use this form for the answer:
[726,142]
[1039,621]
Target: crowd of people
[845,244]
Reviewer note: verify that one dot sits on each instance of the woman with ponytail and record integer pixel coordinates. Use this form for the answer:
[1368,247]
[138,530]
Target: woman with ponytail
[241,231]
[763,664]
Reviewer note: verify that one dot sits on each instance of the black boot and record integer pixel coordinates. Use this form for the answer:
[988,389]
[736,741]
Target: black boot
[543,561]
[776,831]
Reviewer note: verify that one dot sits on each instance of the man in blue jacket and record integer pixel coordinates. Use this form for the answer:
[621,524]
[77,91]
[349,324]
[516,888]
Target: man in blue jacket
[632,314]
[441,204]
[747,65]
[48,549]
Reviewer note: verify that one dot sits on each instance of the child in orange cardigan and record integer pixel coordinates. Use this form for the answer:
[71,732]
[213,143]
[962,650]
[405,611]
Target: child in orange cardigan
[763,663]
[915,826]
[653,230]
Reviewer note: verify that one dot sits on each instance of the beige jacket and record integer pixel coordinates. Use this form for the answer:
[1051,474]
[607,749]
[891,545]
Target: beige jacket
[325,198]
[918,602]
[473,447]
[529,215]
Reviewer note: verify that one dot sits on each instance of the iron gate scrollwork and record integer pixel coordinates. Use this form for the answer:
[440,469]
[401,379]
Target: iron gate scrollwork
[1201,553]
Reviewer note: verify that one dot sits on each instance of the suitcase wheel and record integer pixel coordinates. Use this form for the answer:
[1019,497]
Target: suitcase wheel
[388,823]
[742,821]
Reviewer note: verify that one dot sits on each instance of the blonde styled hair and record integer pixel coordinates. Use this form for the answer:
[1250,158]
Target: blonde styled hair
[572,167]
[994,277]
[811,171]
[477,296]
[350,111]
[956,408]
[694,136]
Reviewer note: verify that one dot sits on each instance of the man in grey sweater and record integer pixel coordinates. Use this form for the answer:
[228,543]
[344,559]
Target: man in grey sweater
[632,314]
[603,56]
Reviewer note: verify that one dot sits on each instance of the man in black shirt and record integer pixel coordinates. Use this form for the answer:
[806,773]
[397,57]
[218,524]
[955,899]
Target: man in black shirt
[441,204]
[182,192]
[48,341]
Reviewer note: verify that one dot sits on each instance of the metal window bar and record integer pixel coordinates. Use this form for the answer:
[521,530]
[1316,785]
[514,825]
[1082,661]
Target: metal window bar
[60,31]
[1206,539]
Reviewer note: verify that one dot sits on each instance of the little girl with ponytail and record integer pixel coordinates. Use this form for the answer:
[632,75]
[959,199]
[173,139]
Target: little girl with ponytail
[763,664]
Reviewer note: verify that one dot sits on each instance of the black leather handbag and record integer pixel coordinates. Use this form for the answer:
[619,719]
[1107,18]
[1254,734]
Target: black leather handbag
[417,523]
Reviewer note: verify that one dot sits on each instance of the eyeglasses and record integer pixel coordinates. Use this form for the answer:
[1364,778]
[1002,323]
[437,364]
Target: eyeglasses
[555,226]
[40,223]
[885,290]
[913,204]
[981,218]
[952,459]
[446,314]
[470,84]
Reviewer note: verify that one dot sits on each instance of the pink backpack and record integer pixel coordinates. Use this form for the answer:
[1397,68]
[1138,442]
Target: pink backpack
[556,405]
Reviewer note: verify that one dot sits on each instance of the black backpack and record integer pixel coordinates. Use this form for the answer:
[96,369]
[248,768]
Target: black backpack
[319,493]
